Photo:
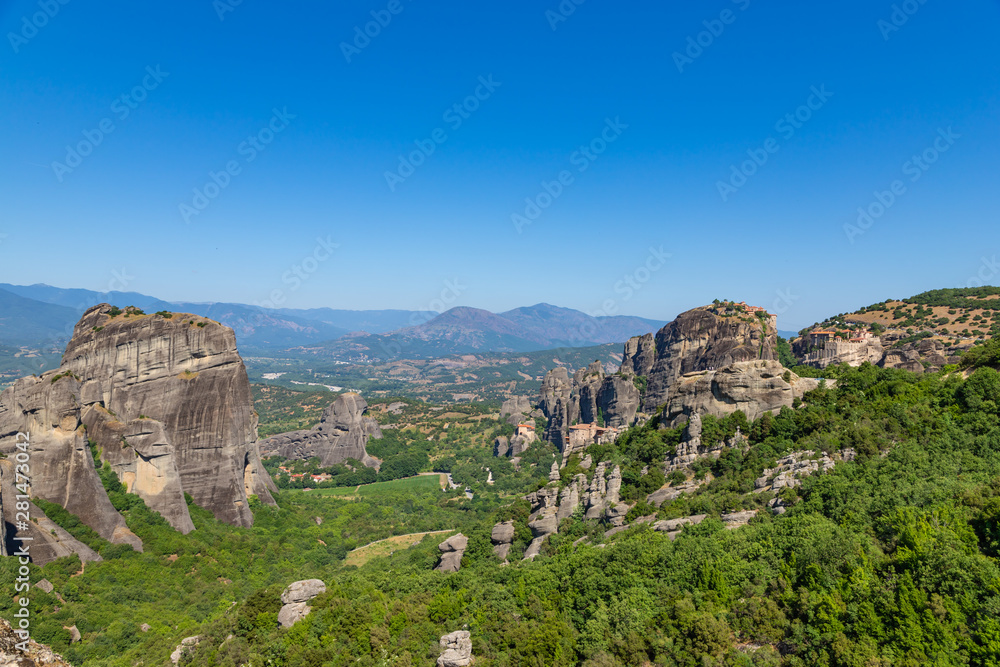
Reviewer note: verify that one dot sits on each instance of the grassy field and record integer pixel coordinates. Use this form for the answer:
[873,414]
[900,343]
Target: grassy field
[418,484]
[385,547]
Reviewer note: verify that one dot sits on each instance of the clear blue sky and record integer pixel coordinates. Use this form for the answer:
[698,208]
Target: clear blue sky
[656,185]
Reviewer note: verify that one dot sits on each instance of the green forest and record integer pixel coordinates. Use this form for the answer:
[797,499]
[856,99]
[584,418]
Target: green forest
[890,559]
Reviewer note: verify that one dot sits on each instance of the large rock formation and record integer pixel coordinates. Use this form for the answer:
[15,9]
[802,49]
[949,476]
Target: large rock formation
[295,600]
[707,338]
[452,551]
[589,397]
[502,537]
[166,401]
[342,433]
[456,650]
[755,387]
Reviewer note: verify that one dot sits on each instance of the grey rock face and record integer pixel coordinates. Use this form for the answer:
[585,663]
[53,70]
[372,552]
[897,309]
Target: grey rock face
[452,551]
[141,454]
[186,644]
[292,613]
[515,409]
[501,446]
[755,387]
[639,355]
[303,591]
[342,433]
[700,340]
[48,540]
[295,600]
[456,650]
[618,399]
[177,386]
[63,469]
[502,537]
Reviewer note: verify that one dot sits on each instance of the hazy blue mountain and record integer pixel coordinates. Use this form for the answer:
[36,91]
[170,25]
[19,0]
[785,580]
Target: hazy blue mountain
[465,330]
[25,321]
[370,321]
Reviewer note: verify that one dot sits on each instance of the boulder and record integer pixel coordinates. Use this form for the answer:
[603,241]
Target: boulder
[303,591]
[292,613]
[44,585]
[342,433]
[452,551]
[186,645]
[502,537]
[515,409]
[456,650]
[74,633]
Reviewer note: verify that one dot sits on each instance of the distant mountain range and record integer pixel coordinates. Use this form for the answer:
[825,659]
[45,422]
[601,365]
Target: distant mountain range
[464,330]
[42,314]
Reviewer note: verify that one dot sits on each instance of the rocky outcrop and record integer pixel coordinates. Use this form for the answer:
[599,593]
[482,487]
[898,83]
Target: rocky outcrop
[186,645]
[141,454]
[21,651]
[342,433]
[755,387]
[295,601]
[176,385]
[502,537]
[456,650]
[589,397]
[452,551]
[48,541]
[707,338]
[927,355]
[618,399]
[639,355]
[703,339]
[515,410]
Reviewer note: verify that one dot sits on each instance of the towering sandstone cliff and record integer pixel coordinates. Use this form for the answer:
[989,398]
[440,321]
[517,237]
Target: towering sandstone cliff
[704,339]
[167,402]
